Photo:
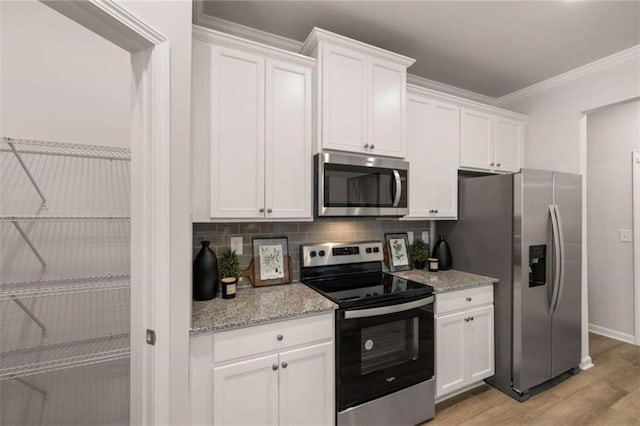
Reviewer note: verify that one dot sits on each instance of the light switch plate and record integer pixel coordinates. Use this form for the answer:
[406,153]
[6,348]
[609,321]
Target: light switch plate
[625,235]
[235,244]
[410,235]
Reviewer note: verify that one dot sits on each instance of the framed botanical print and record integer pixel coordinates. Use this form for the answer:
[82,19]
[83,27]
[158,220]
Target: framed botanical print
[271,261]
[398,251]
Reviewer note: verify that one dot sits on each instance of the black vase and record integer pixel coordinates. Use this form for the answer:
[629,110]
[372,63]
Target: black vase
[442,252]
[205,274]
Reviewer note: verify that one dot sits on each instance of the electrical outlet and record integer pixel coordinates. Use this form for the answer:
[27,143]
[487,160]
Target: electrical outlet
[425,236]
[235,244]
[625,235]
[410,235]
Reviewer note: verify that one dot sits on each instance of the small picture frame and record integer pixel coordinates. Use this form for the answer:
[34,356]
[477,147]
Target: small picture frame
[398,251]
[271,261]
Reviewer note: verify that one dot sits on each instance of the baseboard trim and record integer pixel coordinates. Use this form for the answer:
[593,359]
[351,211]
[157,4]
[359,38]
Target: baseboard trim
[613,334]
[586,363]
[461,391]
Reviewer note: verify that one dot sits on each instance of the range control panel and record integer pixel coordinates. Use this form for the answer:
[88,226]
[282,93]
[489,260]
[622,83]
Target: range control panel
[340,253]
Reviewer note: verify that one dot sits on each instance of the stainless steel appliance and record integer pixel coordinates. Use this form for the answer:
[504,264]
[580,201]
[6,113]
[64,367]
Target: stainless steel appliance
[525,229]
[353,185]
[384,335]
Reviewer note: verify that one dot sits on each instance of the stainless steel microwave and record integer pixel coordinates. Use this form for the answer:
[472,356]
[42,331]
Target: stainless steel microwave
[354,185]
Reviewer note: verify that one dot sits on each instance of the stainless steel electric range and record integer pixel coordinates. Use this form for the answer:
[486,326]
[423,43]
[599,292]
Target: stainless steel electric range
[384,334]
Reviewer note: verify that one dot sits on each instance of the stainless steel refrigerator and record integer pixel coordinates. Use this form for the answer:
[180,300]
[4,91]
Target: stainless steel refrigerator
[526,230]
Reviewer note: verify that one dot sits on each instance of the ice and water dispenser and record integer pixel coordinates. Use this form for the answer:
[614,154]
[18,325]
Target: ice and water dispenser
[537,265]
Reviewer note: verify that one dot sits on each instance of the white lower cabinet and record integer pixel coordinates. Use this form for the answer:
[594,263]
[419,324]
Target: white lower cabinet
[464,339]
[274,374]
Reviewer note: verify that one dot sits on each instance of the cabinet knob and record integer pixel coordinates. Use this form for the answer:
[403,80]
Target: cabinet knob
[366,146]
[498,165]
[492,164]
[372,146]
[435,211]
[261,210]
[269,210]
[279,337]
[274,367]
[471,318]
[466,319]
[468,299]
[284,364]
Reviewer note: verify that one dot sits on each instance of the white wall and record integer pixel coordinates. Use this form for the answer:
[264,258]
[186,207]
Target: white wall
[553,128]
[60,81]
[612,134]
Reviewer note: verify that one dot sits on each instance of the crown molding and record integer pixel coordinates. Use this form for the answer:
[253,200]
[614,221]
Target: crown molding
[239,30]
[318,35]
[236,42]
[455,92]
[576,73]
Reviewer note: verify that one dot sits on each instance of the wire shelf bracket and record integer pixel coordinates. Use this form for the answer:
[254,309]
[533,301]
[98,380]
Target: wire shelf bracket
[31,386]
[28,173]
[30,315]
[33,248]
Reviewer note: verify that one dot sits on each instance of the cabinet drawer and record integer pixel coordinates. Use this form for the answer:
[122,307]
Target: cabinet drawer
[249,341]
[463,299]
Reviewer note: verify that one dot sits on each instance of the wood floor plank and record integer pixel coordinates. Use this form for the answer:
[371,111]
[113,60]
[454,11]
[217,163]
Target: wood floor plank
[606,395]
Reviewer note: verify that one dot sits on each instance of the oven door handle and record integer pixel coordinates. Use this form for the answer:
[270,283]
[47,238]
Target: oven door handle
[384,310]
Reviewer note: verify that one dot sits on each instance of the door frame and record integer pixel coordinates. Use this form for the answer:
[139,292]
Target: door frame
[150,197]
[636,241]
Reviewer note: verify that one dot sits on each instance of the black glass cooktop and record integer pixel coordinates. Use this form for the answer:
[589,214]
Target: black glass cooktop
[369,288]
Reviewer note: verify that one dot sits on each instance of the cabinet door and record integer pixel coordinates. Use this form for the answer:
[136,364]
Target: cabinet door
[237,134]
[442,161]
[246,392]
[306,386]
[288,141]
[480,344]
[344,99]
[476,140]
[418,112]
[450,353]
[387,89]
[508,143]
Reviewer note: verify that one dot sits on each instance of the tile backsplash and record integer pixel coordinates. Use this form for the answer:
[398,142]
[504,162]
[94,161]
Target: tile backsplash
[324,230]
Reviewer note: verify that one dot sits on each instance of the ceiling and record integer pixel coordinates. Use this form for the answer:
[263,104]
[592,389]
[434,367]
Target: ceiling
[489,47]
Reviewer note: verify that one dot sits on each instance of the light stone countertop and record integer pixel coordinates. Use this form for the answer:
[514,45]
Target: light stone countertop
[443,281]
[260,305]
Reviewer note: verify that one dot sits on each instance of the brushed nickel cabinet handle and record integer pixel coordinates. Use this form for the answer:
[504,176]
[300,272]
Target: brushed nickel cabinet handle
[279,337]
[491,164]
[366,146]
[284,364]
[468,299]
[372,146]
[261,210]
[269,210]
[274,367]
[499,164]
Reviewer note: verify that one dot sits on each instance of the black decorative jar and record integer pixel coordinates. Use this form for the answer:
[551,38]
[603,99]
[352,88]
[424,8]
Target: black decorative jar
[442,252]
[205,274]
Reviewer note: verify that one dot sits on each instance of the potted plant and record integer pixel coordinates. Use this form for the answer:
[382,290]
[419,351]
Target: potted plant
[419,251]
[230,273]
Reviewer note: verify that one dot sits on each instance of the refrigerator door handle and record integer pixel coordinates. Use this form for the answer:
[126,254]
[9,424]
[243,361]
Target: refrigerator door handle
[557,258]
[560,259]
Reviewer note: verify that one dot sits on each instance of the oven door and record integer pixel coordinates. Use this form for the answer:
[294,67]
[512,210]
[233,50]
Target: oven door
[350,185]
[383,349]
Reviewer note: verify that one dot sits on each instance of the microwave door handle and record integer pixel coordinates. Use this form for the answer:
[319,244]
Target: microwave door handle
[396,176]
[384,310]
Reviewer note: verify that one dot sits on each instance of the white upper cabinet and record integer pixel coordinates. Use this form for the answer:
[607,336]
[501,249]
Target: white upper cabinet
[490,142]
[433,138]
[252,131]
[362,94]
[476,139]
[508,144]
[344,117]
[237,133]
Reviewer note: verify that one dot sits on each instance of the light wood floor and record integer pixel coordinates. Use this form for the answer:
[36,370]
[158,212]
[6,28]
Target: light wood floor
[607,394]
